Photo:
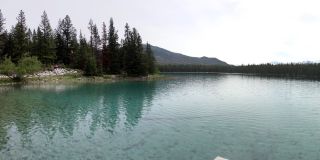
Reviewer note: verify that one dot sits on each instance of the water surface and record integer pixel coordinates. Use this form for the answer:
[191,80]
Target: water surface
[194,116]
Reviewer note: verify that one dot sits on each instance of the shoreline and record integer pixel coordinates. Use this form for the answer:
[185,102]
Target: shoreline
[79,78]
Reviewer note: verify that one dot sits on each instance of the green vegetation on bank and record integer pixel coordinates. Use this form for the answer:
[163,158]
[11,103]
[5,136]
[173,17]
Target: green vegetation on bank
[26,65]
[26,51]
[311,70]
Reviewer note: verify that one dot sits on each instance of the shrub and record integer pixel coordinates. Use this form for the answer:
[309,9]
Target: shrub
[8,68]
[29,65]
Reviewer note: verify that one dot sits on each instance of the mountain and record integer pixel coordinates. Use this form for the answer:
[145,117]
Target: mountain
[164,56]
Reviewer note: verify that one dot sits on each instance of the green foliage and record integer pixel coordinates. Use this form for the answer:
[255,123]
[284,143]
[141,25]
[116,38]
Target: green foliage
[28,65]
[290,69]
[90,65]
[66,41]
[85,60]
[2,35]
[113,50]
[133,52]
[2,22]
[61,46]
[20,38]
[104,51]
[7,67]
[150,60]
[44,41]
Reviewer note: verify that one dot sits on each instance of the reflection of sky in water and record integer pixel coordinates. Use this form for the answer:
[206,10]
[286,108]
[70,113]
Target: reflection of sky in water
[191,117]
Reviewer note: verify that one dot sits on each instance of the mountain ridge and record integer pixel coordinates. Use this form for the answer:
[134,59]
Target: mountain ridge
[166,57]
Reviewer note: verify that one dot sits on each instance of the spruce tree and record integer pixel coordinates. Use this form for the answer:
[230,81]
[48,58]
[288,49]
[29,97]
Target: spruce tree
[104,52]
[20,38]
[2,22]
[150,59]
[46,53]
[86,59]
[95,43]
[81,54]
[60,43]
[66,41]
[133,50]
[9,45]
[3,36]
[34,46]
[29,41]
[113,49]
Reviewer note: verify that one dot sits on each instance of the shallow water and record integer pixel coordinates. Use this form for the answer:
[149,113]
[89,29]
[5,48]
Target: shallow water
[194,116]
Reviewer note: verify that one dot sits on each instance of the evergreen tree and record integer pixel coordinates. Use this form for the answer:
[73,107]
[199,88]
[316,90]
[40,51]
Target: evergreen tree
[3,36]
[90,27]
[133,50]
[86,59]
[9,45]
[66,41]
[2,22]
[45,37]
[60,43]
[38,43]
[105,54]
[150,59]
[95,43]
[113,49]
[96,49]
[34,46]
[29,41]
[20,38]
[81,54]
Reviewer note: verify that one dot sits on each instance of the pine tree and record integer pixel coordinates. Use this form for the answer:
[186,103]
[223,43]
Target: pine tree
[96,49]
[66,41]
[113,49]
[133,50]
[3,36]
[104,52]
[81,54]
[20,38]
[95,43]
[9,45]
[86,59]
[38,43]
[46,51]
[150,59]
[34,46]
[90,27]
[2,22]
[60,43]
[29,41]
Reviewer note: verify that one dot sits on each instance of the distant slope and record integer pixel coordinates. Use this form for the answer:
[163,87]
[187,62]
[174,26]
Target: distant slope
[164,56]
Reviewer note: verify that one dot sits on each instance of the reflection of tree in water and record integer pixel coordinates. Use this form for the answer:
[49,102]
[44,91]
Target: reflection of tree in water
[63,112]
[136,97]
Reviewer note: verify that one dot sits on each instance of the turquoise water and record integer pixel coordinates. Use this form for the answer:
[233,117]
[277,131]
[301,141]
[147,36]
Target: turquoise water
[194,116]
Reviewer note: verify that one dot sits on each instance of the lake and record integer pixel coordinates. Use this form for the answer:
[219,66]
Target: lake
[188,117]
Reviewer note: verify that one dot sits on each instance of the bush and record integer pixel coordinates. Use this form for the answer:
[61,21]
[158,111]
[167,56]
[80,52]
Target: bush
[29,65]
[8,68]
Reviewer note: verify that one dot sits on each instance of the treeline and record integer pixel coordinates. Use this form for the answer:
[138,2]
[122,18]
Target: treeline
[102,53]
[290,69]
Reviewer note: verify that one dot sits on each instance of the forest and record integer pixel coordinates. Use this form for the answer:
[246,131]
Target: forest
[26,50]
[310,70]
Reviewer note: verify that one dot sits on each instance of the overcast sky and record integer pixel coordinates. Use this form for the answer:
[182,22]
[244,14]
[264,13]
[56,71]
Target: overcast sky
[235,31]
